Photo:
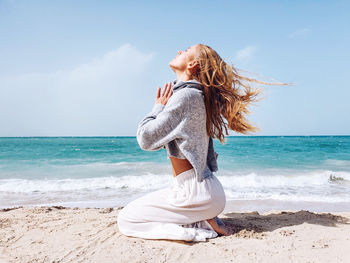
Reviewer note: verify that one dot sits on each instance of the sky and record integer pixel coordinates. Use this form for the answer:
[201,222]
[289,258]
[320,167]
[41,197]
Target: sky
[92,68]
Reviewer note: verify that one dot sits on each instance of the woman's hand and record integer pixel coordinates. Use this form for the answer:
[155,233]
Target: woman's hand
[166,94]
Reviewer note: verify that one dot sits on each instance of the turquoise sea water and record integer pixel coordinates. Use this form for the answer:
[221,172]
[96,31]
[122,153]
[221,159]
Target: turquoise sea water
[111,171]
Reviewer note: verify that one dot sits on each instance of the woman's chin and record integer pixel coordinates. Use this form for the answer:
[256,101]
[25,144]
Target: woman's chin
[172,66]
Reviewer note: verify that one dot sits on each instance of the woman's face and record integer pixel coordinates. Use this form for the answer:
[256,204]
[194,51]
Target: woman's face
[183,59]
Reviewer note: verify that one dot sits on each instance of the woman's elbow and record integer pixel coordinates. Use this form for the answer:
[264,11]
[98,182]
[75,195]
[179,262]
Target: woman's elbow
[144,142]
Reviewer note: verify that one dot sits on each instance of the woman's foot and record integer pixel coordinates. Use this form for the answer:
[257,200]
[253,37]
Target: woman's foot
[218,226]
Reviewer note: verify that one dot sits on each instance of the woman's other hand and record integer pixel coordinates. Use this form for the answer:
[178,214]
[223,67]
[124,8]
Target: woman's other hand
[166,94]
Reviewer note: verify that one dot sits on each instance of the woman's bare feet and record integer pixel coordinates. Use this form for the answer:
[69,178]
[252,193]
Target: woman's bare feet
[218,226]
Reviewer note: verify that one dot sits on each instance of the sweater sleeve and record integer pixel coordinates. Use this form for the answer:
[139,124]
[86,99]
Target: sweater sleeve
[162,125]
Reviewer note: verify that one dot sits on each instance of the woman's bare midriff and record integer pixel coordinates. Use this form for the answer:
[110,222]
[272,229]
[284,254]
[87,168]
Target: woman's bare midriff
[179,165]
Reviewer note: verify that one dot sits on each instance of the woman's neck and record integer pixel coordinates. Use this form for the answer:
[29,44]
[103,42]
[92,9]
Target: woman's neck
[182,76]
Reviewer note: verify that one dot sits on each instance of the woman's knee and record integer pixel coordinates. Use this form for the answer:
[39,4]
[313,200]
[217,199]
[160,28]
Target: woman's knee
[128,214]
[122,221]
[120,216]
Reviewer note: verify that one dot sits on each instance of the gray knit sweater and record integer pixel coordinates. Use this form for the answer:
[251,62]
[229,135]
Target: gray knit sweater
[180,128]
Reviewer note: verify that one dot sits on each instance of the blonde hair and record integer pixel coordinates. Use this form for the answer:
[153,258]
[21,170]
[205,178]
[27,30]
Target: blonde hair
[223,99]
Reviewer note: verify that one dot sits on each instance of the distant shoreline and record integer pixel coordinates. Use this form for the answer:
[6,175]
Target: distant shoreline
[127,136]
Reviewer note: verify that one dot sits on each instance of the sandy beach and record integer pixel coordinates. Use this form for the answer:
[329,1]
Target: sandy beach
[67,234]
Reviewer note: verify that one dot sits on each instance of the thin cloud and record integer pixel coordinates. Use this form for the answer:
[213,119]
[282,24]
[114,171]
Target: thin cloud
[89,99]
[300,32]
[246,53]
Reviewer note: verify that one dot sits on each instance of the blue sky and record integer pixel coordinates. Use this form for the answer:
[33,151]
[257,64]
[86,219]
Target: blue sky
[92,68]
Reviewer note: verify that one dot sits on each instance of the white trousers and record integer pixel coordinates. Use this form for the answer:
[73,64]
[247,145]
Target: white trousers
[177,212]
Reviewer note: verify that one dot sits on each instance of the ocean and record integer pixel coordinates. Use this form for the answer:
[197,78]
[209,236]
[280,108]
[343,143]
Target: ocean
[112,171]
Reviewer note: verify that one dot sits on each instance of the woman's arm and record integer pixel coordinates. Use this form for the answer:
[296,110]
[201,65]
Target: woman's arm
[163,124]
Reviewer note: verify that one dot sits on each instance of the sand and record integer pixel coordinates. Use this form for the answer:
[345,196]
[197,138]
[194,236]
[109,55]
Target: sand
[67,234]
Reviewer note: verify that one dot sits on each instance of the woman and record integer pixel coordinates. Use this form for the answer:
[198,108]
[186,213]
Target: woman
[184,119]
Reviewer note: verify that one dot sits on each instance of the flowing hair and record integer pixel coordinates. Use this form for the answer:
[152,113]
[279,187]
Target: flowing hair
[223,98]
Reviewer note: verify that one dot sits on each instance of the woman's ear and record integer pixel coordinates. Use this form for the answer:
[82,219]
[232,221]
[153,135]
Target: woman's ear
[193,66]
